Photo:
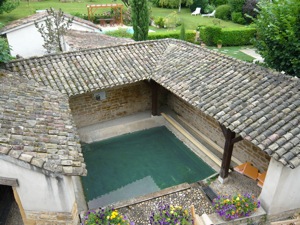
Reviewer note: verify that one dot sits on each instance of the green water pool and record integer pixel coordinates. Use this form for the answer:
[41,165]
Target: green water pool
[138,163]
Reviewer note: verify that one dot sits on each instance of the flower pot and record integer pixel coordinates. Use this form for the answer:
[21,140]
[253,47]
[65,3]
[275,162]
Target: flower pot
[219,45]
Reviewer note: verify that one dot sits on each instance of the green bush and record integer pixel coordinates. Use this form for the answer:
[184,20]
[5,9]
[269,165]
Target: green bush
[236,5]
[119,33]
[210,34]
[223,12]
[229,36]
[189,35]
[160,22]
[209,8]
[218,2]
[237,17]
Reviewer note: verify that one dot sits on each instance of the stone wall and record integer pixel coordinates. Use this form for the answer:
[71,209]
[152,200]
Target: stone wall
[119,102]
[243,150]
[52,218]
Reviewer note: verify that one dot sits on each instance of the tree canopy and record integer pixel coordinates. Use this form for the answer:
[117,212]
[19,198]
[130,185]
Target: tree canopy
[278,35]
[8,5]
[140,19]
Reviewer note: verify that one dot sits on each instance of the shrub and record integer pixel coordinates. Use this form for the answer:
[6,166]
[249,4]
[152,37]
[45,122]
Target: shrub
[189,35]
[4,50]
[160,22]
[237,17]
[236,5]
[119,33]
[168,214]
[172,20]
[210,34]
[223,12]
[249,9]
[229,36]
[218,2]
[237,206]
[209,8]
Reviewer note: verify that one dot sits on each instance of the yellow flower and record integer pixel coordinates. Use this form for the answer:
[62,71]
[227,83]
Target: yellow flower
[237,198]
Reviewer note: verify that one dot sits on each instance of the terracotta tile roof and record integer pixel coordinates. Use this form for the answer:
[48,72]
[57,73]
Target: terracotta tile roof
[40,16]
[79,40]
[259,104]
[75,73]
[36,126]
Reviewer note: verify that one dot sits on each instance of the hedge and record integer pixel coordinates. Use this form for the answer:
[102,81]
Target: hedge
[229,36]
[189,34]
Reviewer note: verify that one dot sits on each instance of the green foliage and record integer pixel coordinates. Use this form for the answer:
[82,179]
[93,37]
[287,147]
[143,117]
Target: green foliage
[119,33]
[189,34]
[199,3]
[172,20]
[209,8]
[182,32]
[218,2]
[229,36]
[52,31]
[278,32]
[4,51]
[210,34]
[236,5]
[250,9]
[237,17]
[223,12]
[140,19]
[8,5]
[174,3]
[160,22]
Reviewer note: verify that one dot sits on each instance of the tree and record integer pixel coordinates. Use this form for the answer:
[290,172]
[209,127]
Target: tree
[52,31]
[140,19]
[8,5]
[4,51]
[278,34]
[182,32]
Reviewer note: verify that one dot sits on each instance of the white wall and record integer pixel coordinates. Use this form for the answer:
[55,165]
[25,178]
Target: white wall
[26,42]
[37,191]
[280,192]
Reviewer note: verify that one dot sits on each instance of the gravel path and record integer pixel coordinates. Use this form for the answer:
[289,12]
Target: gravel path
[140,212]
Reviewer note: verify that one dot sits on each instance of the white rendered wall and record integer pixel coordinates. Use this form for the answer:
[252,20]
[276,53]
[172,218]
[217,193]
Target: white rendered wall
[280,192]
[39,192]
[26,42]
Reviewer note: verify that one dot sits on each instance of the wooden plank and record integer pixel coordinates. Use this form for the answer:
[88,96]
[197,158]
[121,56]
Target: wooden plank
[228,148]
[9,181]
[154,87]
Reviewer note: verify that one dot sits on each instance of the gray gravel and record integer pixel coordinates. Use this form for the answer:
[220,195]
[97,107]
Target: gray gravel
[140,212]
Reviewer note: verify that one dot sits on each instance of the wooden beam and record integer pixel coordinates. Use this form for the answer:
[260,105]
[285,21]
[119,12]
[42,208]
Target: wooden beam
[154,87]
[237,139]
[228,148]
[9,181]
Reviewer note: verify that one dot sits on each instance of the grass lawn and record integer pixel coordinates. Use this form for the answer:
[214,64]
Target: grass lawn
[27,8]
[234,51]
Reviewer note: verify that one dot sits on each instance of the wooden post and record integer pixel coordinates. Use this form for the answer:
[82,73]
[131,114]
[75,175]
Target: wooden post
[228,148]
[154,87]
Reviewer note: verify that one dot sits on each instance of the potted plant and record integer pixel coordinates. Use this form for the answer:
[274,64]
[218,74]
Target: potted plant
[219,43]
[105,216]
[233,207]
[170,215]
